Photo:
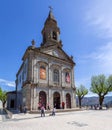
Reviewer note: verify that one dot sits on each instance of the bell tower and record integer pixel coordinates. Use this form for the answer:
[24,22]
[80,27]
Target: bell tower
[50,32]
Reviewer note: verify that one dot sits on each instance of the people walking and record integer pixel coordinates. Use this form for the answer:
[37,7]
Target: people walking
[25,109]
[42,111]
[53,111]
[48,106]
[63,105]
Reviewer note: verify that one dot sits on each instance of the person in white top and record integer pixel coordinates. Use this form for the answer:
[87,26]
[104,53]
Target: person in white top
[53,111]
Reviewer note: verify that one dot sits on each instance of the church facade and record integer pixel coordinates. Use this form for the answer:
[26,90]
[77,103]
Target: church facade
[46,76]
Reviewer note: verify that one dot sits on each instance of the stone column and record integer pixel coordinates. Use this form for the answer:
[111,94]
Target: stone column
[47,98]
[49,91]
[50,74]
[35,72]
[63,97]
[72,77]
[29,76]
[51,34]
[60,77]
[51,98]
[31,107]
[58,37]
[73,99]
[35,99]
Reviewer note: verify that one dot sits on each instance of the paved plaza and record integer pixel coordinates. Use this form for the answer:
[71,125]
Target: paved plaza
[78,120]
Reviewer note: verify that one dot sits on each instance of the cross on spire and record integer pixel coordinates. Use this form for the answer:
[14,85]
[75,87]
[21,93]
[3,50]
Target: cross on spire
[33,42]
[50,7]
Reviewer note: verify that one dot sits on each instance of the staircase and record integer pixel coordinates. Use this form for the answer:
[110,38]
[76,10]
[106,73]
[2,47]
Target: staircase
[57,110]
[5,114]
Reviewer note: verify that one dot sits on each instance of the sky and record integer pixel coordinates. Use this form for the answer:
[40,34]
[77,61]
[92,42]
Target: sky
[86,34]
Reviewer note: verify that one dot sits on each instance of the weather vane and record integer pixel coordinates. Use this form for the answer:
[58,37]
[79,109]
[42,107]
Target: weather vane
[50,7]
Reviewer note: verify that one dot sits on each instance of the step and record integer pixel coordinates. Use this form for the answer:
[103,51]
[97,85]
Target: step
[57,110]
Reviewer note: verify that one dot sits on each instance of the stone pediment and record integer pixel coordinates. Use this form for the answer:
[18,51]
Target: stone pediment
[58,52]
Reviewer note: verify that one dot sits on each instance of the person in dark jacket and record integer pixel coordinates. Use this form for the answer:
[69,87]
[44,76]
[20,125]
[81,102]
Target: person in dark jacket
[42,111]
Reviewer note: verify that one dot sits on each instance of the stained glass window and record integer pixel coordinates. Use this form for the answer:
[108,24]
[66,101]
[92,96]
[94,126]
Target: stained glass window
[67,77]
[42,72]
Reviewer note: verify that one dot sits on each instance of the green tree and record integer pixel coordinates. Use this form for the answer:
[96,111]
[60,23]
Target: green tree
[3,97]
[101,85]
[81,92]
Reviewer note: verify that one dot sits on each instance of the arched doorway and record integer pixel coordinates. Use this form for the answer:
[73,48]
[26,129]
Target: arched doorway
[68,100]
[42,98]
[56,100]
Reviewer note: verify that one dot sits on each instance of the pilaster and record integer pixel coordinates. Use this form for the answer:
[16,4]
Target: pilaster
[73,103]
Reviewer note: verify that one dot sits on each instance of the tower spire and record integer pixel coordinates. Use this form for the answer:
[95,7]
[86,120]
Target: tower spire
[51,16]
[50,31]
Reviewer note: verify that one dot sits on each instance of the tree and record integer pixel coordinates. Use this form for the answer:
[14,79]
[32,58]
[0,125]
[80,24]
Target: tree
[3,97]
[101,85]
[81,92]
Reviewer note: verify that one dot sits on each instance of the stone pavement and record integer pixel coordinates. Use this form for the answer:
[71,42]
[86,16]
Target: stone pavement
[78,120]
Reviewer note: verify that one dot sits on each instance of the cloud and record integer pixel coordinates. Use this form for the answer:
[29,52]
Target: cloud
[97,60]
[102,57]
[99,16]
[7,83]
[83,81]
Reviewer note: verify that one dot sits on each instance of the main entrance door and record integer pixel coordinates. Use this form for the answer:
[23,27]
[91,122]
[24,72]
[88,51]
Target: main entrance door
[56,100]
[68,100]
[42,98]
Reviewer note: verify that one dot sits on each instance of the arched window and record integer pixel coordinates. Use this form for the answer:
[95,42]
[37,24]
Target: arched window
[56,75]
[67,77]
[54,36]
[42,72]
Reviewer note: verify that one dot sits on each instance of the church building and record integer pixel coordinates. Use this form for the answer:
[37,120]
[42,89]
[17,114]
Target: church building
[46,76]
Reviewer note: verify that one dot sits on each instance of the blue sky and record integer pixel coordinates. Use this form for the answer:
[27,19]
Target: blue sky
[86,33]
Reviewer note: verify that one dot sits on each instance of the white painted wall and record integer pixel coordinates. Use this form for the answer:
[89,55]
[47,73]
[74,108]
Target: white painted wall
[22,76]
